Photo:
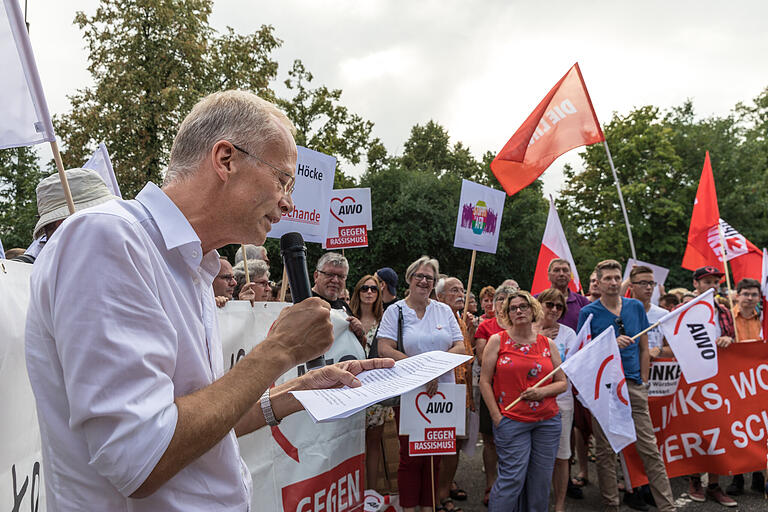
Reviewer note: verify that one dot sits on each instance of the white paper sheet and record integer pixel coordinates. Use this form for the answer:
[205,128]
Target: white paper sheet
[377,385]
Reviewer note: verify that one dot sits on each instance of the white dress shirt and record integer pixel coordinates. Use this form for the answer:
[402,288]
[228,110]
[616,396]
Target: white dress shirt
[122,321]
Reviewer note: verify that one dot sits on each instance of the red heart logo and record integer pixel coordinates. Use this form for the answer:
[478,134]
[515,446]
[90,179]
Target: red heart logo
[340,201]
[428,399]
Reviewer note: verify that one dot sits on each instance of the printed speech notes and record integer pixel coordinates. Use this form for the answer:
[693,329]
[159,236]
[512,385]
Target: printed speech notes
[377,385]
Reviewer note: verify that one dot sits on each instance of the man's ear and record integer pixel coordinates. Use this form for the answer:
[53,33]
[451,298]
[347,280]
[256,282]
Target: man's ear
[221,159]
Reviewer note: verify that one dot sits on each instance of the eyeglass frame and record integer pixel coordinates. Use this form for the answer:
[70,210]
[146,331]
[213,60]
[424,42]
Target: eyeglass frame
[288,187]
[331,275]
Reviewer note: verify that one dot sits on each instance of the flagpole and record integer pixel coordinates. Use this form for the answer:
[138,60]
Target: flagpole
[63,177]
[547,376]
[727,278]
[245,265]
[283,285]
[469,283]
[621,200]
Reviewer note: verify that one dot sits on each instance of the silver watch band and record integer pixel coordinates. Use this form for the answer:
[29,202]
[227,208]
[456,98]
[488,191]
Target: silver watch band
[266,408]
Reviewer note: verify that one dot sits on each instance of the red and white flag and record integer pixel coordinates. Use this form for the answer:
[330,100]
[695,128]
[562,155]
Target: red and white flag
[596,372]
[24,117]
[691,331]
[704,242]
[562,121]
[553,245]
[583,337]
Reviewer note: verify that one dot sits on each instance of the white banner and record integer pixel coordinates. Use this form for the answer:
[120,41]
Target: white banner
[298,465]
[479,219]
[349,219]
[24,117]
[659,275]
[691,331]
[314,182]
[21,472]
[101,163]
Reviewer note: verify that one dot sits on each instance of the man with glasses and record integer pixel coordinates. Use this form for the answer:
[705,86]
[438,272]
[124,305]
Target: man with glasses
[642,282]
[330,280]
[135,409]
[627,317]
[224,283]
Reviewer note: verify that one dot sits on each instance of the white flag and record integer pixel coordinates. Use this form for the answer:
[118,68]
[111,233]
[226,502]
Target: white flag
[101,163]
[597,374]
[582,338]
[691,331]
[24,117]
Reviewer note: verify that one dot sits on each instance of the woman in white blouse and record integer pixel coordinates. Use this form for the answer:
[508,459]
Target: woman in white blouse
[427,325]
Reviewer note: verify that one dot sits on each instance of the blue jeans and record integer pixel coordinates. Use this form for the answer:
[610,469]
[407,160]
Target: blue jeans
[526,459]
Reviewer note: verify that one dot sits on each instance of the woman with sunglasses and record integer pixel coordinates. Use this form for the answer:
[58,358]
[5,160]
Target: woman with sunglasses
[427,325]
[526,435]
[366,305]
[554,306]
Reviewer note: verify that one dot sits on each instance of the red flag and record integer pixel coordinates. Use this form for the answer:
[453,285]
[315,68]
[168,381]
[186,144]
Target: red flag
[704,241]
[562,121]
[553,245]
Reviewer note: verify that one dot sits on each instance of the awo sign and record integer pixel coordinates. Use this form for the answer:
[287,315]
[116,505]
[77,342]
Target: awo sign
[349,219]
[433,422]
[337,490]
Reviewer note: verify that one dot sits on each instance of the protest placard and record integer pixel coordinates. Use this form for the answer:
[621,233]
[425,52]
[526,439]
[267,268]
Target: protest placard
[314,182]
[432,423]
[349,219]
[478,222]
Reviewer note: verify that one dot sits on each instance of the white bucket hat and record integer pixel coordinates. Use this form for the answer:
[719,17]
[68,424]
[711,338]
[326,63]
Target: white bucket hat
[87,187]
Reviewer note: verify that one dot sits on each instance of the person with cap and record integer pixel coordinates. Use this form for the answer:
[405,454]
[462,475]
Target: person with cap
[389,291]
[123,349]
[87,188]
[706,278]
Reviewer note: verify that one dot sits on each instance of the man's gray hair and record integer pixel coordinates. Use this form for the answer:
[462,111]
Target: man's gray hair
[256,269]
[332,258]
[416,265]
[253,252]
[504,290]
[239,117]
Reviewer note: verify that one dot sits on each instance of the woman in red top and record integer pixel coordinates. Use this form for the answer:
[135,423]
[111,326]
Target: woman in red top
[527,435]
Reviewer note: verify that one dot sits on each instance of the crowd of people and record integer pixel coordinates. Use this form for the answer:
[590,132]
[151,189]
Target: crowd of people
[516,338]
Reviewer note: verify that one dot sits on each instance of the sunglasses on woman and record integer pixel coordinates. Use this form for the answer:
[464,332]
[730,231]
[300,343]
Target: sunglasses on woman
[369,288]
[554,305]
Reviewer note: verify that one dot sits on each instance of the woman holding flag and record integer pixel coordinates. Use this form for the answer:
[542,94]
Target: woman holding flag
[527,434]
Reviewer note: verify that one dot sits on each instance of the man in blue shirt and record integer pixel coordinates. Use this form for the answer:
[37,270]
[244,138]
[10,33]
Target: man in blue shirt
[627,318]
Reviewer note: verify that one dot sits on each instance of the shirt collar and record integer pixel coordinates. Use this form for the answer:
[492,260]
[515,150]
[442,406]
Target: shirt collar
[737,312]
[175,229]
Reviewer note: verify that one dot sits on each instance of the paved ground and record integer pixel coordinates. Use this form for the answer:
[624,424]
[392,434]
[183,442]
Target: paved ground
[470,477]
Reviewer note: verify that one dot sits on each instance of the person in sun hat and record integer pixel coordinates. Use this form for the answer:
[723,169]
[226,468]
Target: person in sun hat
[87,188]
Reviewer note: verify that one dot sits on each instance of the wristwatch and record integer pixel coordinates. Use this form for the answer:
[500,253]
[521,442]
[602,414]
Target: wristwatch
[266,408]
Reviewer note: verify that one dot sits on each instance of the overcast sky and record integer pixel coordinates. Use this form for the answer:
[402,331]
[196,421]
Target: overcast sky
[476,67]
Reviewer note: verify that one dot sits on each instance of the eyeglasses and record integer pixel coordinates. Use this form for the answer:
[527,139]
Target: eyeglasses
[644,283]
[425,277]
[288,186]
[369,288]
[750,295]
[331,275]
[226,277]
[522,308]
[554,305]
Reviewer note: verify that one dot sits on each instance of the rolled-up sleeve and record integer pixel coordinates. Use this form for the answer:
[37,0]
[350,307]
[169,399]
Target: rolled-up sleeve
[117,348]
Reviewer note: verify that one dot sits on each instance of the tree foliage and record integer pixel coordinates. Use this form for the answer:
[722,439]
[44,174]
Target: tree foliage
[19,175]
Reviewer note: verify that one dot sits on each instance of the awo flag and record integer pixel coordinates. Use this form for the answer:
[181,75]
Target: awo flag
[583,337]
[704,241]
[349,219]
[24,117]
[553,245]
[478,222]
[562,121]
[691,331]
[596,372]
[314,182]
[101,163]
[716,426]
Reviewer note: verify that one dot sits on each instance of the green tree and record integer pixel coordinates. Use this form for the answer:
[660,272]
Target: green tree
[151,60]
[323,123]
[19,175]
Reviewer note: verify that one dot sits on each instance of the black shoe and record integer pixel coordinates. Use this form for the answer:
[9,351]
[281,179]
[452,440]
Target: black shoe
[736,487]
[574,491]
[645,492]
[758,482]
[634,501]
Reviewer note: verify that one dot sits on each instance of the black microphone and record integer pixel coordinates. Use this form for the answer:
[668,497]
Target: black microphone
[295,261]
